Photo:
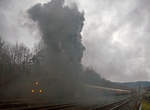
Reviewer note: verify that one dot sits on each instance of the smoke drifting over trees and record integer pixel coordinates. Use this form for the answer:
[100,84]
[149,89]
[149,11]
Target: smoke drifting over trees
[61,27]
[55,62]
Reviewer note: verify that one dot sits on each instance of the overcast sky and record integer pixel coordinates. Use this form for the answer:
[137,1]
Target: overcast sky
[116,34]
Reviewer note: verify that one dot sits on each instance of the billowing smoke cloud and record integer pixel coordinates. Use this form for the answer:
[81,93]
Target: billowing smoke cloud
[116,38]
[115,34]
[60,27]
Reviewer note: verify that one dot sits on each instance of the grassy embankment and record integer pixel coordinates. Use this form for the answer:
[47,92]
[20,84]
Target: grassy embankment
[146,102]
[145,105]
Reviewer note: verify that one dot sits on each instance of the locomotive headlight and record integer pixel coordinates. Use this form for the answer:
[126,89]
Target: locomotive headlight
[40,91]
[33,91]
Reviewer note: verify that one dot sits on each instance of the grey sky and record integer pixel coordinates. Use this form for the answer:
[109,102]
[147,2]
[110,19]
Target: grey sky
[15,25]
[116,34]
[116,37]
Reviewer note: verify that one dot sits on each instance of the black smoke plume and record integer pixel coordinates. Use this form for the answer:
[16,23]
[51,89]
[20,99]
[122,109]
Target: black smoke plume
[60,27]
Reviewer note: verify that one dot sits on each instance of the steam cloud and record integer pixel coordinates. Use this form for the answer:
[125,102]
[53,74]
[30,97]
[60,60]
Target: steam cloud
[116,38]
[115,34]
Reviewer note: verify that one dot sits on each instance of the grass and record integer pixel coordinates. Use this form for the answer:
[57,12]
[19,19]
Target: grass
[145,105]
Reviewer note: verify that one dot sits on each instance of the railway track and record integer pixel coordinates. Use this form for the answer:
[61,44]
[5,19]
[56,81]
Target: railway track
[27,105]
[21,105]
[114,106]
